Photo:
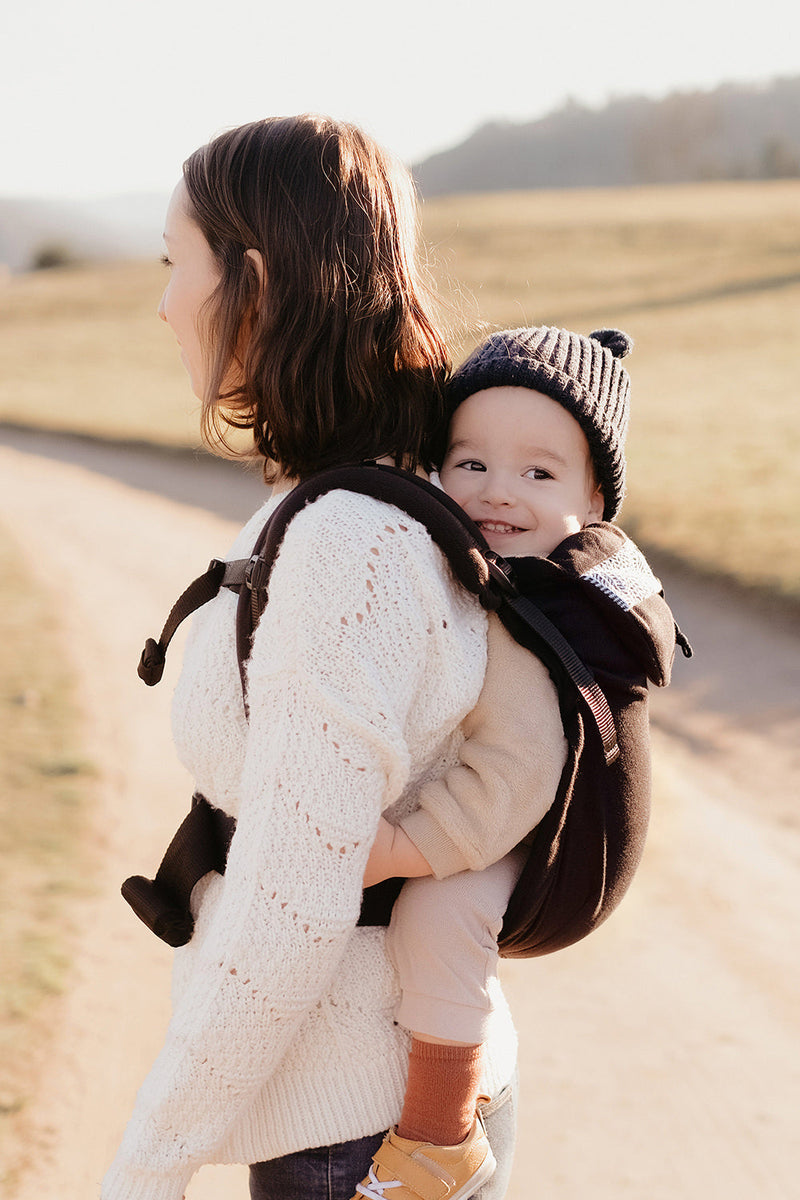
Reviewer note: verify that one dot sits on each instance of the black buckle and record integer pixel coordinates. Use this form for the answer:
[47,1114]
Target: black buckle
[255,573]
[501,573]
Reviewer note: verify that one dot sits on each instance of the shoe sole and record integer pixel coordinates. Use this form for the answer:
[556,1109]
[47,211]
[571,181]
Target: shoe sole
[485,1171]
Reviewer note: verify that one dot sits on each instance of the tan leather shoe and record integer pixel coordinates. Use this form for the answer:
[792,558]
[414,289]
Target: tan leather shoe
[406,1170]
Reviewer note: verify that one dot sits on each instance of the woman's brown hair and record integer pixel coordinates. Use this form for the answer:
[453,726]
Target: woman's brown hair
[331,355]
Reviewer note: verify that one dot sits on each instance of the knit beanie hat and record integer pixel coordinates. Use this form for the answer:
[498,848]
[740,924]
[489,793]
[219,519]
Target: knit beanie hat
[583,374]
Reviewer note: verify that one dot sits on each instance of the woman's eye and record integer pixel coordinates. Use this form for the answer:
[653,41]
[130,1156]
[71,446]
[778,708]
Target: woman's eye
[165,261]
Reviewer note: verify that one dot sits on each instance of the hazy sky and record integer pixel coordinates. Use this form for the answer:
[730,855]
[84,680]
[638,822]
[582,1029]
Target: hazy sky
[99,97]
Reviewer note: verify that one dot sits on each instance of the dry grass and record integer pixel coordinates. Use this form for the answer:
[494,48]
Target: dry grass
[81,349]
[705,277]
[707,280]
[42,791]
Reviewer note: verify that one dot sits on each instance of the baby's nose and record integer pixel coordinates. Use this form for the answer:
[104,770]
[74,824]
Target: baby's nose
[493,492]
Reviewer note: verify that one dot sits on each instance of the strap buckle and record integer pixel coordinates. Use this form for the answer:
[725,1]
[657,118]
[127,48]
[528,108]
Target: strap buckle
[501,573]
[255,573]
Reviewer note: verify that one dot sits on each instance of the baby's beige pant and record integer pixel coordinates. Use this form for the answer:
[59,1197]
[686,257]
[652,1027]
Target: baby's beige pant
[443,941]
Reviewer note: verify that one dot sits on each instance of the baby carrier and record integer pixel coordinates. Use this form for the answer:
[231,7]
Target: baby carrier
[596,616]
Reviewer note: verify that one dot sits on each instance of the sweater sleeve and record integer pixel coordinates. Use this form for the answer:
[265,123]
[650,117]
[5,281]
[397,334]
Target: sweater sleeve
[336,664]
[509,769]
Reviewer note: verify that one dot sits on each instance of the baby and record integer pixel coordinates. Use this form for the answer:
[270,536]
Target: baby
[535,453]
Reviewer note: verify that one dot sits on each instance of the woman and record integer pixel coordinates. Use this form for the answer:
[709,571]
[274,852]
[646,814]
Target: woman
[296,301]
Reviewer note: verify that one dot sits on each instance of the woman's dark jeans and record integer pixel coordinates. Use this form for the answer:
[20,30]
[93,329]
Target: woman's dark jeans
[332,1172]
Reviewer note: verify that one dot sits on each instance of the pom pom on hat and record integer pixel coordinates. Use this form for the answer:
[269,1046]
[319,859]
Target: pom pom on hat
[583,374]
[615,340]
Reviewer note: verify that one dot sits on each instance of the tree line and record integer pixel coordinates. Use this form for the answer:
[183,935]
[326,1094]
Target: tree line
[735,131]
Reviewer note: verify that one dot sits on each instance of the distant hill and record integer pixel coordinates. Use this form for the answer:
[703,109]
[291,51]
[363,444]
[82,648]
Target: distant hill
[736,131]
[119,227]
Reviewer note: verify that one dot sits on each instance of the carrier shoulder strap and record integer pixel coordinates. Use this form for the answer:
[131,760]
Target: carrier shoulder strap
[458,538]
[481,572]
[477,568]
[579,673]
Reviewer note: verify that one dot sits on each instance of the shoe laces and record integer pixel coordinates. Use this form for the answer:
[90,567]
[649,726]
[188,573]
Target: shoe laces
[374,1188]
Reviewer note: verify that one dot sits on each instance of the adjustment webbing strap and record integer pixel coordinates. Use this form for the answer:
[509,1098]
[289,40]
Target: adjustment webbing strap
[578,672]
[199,592]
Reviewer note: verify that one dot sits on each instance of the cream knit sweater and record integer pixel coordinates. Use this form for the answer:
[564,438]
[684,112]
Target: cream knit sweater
[282,1037]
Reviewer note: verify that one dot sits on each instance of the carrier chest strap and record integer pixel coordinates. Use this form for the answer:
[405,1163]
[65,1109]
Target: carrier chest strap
[219,574]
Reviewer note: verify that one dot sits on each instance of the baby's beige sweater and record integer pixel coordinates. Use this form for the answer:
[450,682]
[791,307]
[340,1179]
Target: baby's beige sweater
[508,771]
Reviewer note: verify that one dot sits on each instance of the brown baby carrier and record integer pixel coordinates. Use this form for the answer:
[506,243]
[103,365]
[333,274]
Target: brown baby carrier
[596,616]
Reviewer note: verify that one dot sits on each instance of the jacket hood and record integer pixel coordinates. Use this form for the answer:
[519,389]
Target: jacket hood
[602,570]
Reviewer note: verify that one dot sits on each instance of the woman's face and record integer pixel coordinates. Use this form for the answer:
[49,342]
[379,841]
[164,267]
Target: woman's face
[193,277]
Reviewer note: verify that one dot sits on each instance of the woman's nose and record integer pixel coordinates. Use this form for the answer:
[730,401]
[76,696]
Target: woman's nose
[161,310]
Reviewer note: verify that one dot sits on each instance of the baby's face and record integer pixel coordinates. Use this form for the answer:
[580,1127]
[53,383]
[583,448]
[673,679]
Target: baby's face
[519,465]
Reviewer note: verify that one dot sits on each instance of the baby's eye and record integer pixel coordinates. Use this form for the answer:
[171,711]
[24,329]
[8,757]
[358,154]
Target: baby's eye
[471,464]
[165,261]
[537,473]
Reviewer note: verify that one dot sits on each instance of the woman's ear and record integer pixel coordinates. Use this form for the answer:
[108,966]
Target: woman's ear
[257,258]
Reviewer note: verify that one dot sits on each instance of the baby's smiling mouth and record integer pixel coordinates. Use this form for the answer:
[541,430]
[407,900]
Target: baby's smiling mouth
[498,527]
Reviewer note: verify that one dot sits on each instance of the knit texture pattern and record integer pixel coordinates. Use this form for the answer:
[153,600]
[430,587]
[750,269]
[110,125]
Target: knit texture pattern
[282,1036]
[625,577]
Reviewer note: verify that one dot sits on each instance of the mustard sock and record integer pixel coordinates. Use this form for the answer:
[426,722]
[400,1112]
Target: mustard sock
[442,1093]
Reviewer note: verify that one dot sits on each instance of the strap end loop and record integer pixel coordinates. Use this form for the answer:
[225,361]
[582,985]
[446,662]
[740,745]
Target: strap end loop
[151,664]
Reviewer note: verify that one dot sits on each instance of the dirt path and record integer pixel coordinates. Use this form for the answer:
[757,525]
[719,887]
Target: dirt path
[659,1059]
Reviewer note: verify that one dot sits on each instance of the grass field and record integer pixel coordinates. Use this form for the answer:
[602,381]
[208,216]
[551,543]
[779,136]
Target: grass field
[43,789]
[705,277]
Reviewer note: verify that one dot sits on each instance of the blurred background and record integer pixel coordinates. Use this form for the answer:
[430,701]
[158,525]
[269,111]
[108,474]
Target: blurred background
[582,165]
[635,166]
